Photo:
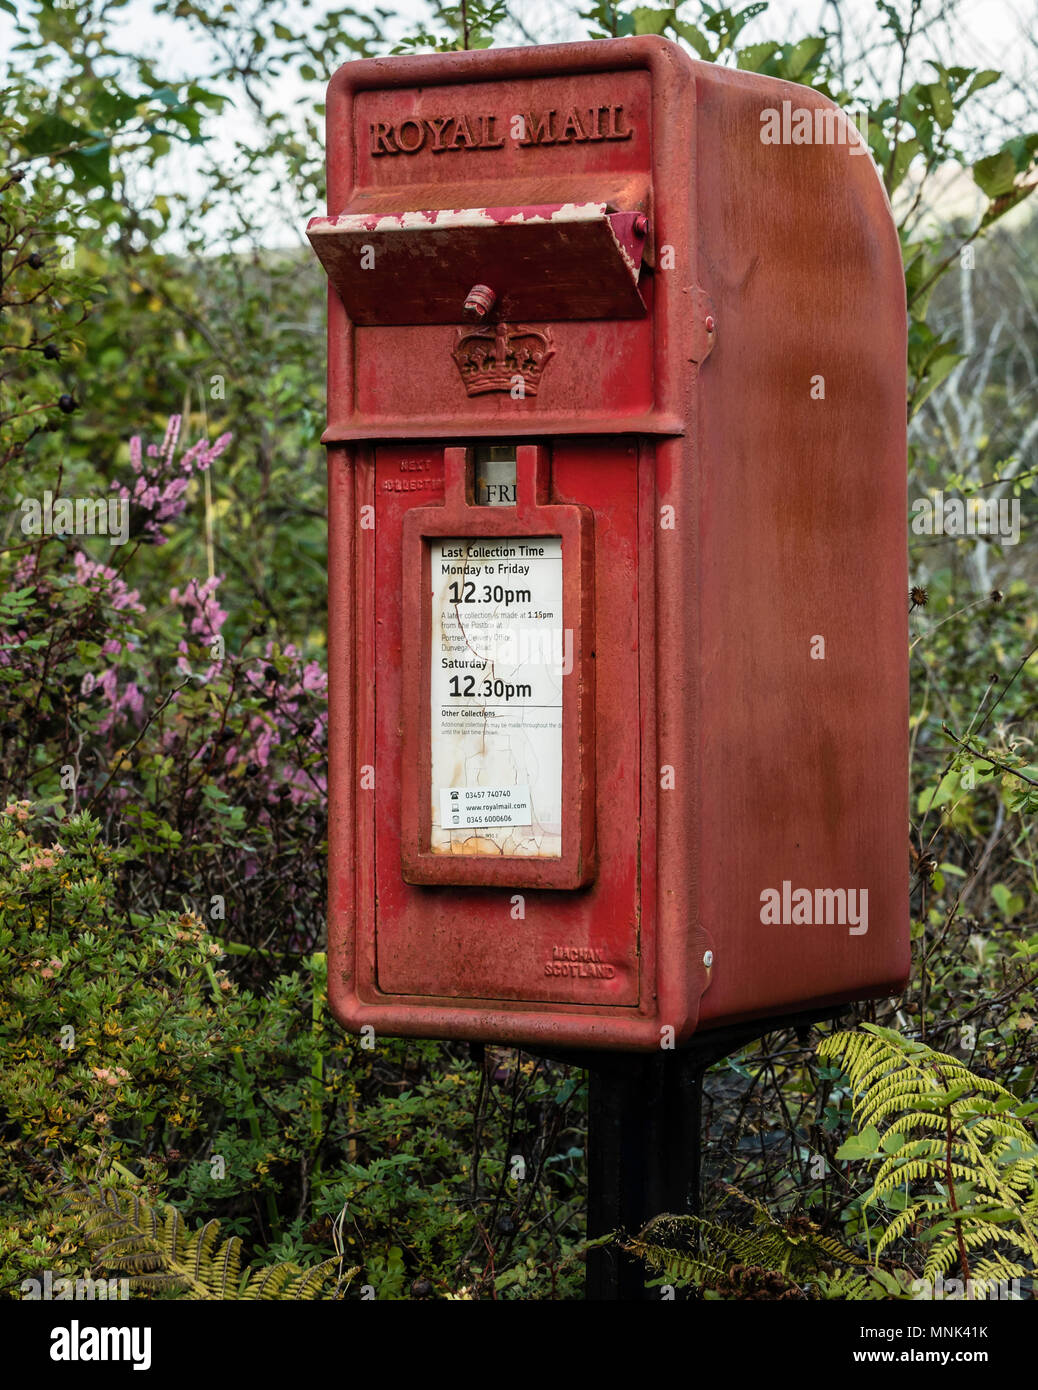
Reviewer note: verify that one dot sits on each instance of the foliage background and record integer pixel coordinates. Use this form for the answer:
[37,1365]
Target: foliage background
[163,719]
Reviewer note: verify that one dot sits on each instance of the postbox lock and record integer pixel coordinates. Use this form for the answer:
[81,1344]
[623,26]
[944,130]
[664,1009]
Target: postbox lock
[479,301]
[708,959]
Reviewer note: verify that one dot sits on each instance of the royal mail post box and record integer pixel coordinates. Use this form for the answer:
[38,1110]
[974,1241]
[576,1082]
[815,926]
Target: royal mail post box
[617,574]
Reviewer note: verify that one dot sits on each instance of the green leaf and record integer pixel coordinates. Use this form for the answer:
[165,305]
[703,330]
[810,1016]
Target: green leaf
[51,133]
[940,100]
[564,1092]
[753,57]
[935,373]
[863,1145]
[695,39]
[939,795]
[1008,903]
[803,53]
[650,21]
[906,152]
[996,174]
[110,108]
[984,78]
[91,167]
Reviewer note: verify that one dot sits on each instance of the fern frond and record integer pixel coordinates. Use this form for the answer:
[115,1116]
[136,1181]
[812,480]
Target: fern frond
[675,1267]
[770,1258]
[154,1248]
[311,1283]
[958,1133]
[852,1286]
[269,1283]
[897,1227]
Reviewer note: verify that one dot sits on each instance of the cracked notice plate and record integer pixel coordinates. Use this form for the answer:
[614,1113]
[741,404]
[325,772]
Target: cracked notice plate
[498,657]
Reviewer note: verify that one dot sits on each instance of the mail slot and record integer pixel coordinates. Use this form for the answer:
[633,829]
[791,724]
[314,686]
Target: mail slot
[617,561]
[551,262]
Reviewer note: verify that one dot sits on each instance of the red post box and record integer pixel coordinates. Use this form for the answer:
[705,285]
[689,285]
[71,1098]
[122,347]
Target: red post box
[617,574]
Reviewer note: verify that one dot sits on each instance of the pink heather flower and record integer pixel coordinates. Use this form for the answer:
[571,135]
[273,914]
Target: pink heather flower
[102,579]
[24,570]
[205,619]
[159,489]
[293,695]
[133,699]
[314,678]
[202,454]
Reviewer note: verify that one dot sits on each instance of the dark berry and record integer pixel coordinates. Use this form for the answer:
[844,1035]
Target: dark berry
[67,403]
[51,353]
[35,260]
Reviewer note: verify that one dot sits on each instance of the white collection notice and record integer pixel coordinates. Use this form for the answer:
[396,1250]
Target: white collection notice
[499,656]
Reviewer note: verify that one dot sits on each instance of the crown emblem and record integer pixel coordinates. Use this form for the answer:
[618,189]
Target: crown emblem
[498,357]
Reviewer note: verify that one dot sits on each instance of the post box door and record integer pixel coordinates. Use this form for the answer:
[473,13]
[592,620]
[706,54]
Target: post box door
[512,939]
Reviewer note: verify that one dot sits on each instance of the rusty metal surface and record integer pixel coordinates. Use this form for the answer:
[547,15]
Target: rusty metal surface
[736,516]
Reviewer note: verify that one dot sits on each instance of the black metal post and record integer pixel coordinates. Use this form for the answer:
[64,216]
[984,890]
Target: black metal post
[644,1138]
[643,1158]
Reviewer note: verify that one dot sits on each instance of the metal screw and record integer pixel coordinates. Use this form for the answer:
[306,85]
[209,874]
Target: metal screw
[479,301]
[709,325]
[708,959]
[641,225]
